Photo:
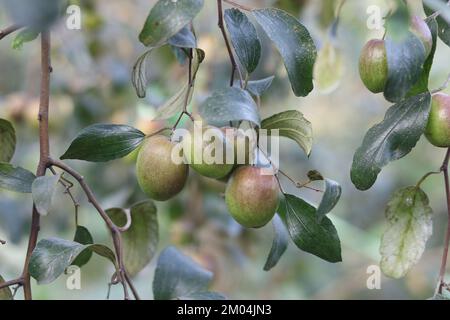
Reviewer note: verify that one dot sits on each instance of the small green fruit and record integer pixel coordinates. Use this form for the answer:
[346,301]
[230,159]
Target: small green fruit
[373,67]
[421,30]
[158,175]
[206,152]
[252,197]
[438,126]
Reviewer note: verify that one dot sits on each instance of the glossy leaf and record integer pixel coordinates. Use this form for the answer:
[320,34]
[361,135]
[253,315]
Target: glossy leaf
[185,38]
[83,236]
[229,104]
[244,38]
[422,84]
[405,60]
[258,87]
[293,125]
[410,225]
[52,256]
[279,244]
[178,276]
[176,104]
[104,142]
[5,293]
[141,239]
[24,36]
[166,19]
[391,139]
[7,140]
[43,191]
[330,198]
[310,235]
[295,45]
[328,69]
[15,178]
[443,20]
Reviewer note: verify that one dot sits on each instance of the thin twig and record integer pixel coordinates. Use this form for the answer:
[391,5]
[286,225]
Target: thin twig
[299,184]
[237,5]
[234,66]
[67,185]
[444,169]
[443,86]
[11,283]
[9,30]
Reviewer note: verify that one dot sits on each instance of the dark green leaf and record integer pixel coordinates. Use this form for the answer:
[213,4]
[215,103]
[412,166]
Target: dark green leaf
[229,104]
[104,142]
[279,244]
[24,36]
[5,293]
[405,60]
[391,139]
[52,256]
[422,84]
[443,20]
[330,198]
[176,104]
[7,140]
[185,38]
[410,226]
[244,38]
[83,236]
[258,87]
[314,175]
[43,191]
[291,124]
[166,18]
[141,239]
[178,276]
[319,238]
[15,178]
[294,44]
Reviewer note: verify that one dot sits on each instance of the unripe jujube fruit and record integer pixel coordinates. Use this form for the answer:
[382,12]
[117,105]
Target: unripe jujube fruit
[373,66]
[438,126]
[252,197]
[158,175]
[202,148]
[421,30]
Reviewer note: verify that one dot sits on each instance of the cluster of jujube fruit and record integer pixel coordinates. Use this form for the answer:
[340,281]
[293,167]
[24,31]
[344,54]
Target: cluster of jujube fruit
[251,195]
[373,69]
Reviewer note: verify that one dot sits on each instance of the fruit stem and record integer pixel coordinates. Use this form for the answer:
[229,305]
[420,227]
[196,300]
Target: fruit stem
[443,86]
[444,169]
[9,30]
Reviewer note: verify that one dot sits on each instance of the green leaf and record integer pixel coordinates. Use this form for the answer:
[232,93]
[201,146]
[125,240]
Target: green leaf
[318,238]
[391,139]
[293,125]
[185,38]
[166,19]
[141,239]
[5,293]
[397,23]
[244,38]
[330,198]
[15,178]
[139,75]
[295,45]
[422,84]
[24,36]
[83,236]
[405,60]
[52,256]
[176,104]
[229,104]
[279,244]
[443,20]
[178,276]
[43,191]
[328,58]
[410,225]
[258,87]
[7,140]
[314,175]
[104,142]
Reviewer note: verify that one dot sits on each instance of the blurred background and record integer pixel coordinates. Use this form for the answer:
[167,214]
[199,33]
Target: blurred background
[91,83]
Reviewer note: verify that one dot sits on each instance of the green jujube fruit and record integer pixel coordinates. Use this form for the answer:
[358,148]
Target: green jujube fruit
[438,126]
[158,175]
[373,66]
[252,197]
